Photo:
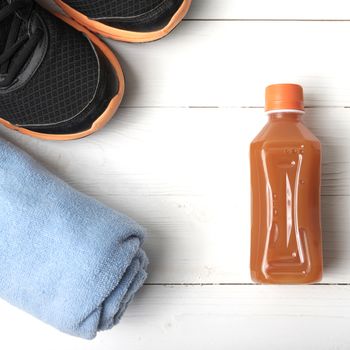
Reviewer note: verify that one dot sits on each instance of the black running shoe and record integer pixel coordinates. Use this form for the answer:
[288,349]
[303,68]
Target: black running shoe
[128,20]
[57,81]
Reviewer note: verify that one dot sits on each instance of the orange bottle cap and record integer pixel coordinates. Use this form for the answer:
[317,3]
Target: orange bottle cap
[284,96]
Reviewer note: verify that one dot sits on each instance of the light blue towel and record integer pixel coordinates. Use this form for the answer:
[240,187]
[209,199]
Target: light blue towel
[64,257]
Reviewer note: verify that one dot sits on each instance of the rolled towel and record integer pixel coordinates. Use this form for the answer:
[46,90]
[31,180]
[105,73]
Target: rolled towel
[65,258]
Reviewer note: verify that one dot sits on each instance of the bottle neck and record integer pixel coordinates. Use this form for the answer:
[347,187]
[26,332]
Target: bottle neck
[285,115]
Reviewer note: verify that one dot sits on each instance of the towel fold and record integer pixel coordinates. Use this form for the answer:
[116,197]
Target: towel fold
[65,258]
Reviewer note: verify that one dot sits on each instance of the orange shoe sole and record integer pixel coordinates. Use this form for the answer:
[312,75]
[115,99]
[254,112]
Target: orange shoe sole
[104,118]
[125,35]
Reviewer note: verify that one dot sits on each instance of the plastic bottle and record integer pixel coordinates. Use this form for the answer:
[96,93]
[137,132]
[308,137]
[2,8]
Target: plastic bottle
[286,239]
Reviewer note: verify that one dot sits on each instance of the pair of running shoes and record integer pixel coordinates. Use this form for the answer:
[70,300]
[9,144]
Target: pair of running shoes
[58,80]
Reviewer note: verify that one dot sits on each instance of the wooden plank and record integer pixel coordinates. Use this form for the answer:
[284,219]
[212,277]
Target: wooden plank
[229,64]
[224,317]
[184,174]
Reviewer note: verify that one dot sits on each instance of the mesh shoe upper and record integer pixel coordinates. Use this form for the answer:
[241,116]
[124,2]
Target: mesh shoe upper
[131,15]
[62,87]
[114,8]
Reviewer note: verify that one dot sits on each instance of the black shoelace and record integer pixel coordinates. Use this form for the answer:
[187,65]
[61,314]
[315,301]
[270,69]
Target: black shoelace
[17,50]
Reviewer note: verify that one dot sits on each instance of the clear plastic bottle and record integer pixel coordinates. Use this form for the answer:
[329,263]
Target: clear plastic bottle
[286,239]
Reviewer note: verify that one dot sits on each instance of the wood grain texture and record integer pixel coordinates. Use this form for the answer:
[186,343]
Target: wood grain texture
[228,64]
[204,317]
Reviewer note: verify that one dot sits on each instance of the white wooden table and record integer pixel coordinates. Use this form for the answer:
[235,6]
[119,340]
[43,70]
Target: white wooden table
[176,159]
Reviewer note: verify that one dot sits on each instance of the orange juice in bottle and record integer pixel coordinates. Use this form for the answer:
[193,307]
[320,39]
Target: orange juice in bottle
[285,157]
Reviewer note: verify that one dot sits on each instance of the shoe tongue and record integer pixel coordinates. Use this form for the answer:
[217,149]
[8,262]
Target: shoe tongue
[3,3]
[5,27]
